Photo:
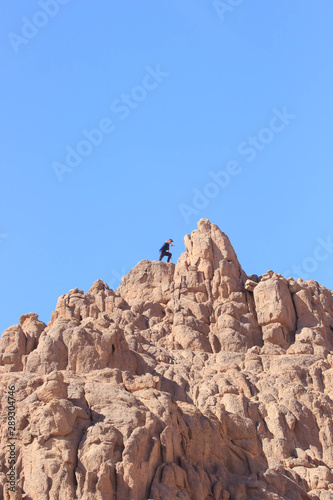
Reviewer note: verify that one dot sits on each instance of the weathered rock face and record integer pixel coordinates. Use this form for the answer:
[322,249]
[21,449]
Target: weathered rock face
[191,381]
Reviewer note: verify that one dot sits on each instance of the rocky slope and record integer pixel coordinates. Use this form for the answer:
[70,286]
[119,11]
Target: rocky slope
[189,382]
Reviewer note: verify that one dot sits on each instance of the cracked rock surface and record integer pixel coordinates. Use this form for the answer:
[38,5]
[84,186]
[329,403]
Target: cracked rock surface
[191,381]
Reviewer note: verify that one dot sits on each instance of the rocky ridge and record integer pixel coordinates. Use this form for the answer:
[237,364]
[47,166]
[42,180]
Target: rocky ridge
[191,381]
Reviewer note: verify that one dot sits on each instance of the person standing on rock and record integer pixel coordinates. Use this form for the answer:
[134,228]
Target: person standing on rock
[164,250]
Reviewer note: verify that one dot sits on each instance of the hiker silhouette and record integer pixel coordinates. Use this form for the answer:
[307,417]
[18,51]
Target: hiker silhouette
[164,250]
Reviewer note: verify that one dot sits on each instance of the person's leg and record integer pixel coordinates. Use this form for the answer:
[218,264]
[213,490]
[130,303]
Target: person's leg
[161,256]
[169,255]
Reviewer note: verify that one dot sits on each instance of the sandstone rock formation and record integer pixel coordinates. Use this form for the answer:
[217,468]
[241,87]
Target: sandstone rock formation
[191,381]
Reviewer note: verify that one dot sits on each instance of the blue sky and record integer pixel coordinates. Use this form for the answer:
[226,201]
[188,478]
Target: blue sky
[124,123]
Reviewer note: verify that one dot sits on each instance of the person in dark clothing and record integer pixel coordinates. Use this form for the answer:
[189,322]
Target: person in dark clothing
[164,250]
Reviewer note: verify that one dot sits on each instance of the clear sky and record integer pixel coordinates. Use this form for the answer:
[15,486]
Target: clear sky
[124,123]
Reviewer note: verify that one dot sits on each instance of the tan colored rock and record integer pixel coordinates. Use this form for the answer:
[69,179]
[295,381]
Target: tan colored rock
[54,387]
[250,285]
[13,347]
[148,281]
[190,381]
[32,329]
[274,303]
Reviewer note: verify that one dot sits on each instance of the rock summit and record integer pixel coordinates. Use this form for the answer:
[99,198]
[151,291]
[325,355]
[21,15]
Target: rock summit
[191,381]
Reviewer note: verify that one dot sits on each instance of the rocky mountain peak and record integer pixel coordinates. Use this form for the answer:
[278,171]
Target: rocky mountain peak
[190,381]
